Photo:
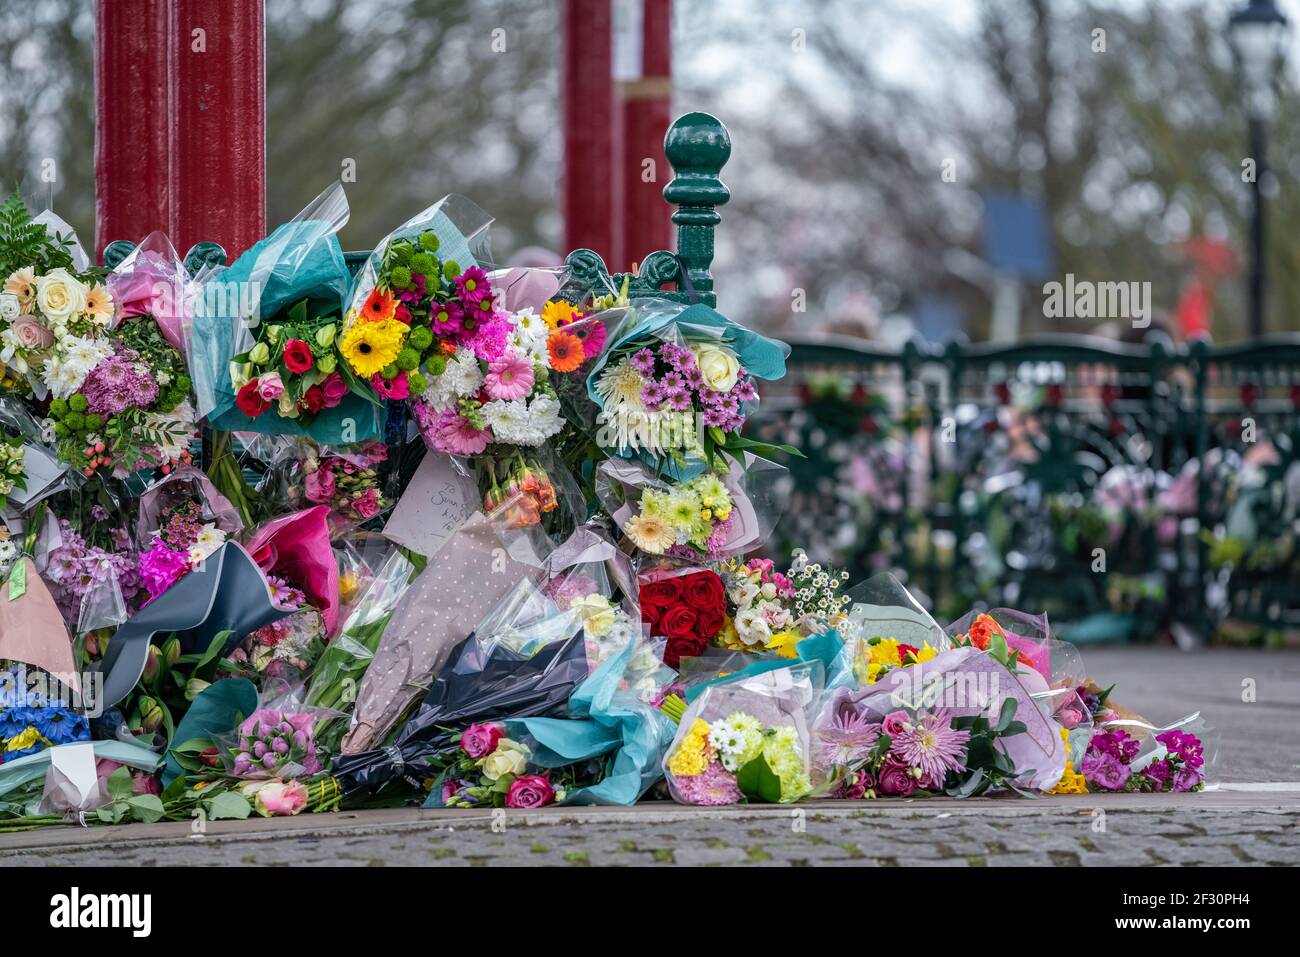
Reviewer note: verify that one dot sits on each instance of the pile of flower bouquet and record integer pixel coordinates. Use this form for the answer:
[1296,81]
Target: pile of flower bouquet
[286,536]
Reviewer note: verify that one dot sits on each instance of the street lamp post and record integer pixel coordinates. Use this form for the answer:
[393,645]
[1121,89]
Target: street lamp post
[1258,35]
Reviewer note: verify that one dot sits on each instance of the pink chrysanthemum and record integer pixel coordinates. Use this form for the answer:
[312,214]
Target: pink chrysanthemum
[713,787]
[160,568]
[509,377]
[930,743]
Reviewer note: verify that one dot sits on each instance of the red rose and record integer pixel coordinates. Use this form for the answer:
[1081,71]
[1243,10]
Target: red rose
[709,622]
[250,401]
[678,648]
[661,593]
[703,590]
[678,622]
[297,356]
[313,400]
[650,615]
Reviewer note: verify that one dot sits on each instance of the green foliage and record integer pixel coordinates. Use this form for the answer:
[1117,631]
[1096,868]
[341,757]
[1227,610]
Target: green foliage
[758,782]
[24,243]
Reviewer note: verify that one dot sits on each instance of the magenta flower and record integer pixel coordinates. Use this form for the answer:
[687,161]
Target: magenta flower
[896,778]
[1186,746]
[472,286]
[1104,771]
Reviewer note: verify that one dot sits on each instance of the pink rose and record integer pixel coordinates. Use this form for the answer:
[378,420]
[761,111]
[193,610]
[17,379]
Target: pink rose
[480,740]
[320,485]
[269,387]
[894,722]
[281,798]
[367,505]
[334,388]
[529,791]
[31,334]
[142,782]
[896,779]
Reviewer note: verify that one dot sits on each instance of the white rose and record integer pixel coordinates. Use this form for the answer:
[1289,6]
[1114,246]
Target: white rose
[10,307]
[60,295]
[751,627]
[508,758]
[597,614]
[718,365]
[287,408]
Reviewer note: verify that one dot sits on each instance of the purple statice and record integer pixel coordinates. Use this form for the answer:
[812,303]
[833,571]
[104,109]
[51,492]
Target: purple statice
[1186,746]
[643,362]
[1121,744]
[1104,771]
[714,786]
[118,383]
[931,743]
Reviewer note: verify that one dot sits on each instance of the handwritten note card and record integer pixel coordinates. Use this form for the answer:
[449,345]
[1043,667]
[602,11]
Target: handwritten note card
[436,503]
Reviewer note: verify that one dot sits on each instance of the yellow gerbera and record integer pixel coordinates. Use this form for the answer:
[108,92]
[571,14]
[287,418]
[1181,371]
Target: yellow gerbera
[557,313]
[369,346]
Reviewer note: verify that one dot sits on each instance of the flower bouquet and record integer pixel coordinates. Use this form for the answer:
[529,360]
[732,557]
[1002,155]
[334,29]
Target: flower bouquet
[264,350]
[276,741]
[44,296]
[685,605]
[668,367]
[745,740]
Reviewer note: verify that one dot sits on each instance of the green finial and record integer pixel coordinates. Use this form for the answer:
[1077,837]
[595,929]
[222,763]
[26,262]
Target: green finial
[697,146]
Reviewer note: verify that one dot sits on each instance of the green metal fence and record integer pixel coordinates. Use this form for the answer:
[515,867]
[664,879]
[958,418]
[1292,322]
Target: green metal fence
[1123,489]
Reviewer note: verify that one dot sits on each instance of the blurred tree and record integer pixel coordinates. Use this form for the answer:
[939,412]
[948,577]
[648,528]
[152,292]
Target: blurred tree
[1132,137]
[418,98]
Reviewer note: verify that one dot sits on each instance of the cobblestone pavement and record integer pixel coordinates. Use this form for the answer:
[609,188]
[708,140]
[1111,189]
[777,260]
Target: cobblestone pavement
[1235,823]
[1218,827]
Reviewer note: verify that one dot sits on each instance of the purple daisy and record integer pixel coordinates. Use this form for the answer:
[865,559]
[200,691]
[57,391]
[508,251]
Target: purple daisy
[847,736]
[644,362]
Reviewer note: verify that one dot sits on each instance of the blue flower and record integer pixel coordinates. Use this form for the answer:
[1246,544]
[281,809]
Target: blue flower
[61,725]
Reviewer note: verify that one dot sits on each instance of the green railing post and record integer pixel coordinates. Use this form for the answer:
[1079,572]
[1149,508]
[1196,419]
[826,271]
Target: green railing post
[698,146]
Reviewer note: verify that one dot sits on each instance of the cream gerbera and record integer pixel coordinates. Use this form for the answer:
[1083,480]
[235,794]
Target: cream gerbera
[650,534]
[22,283]
[99,304]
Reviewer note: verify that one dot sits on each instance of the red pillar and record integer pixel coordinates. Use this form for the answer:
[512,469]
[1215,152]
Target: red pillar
[646,105]
[217,159]
[132,120]
[589,128]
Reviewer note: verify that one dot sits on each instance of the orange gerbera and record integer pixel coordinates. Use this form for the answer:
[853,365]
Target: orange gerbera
[566,351]
[380,305]
[982,629]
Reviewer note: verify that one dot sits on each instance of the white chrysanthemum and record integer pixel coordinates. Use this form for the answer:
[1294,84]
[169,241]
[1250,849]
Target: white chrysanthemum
[461,378]
[620,387]
[508,420]
[61,379]
[544,416]
[210,539]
